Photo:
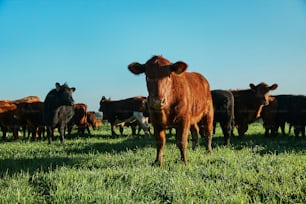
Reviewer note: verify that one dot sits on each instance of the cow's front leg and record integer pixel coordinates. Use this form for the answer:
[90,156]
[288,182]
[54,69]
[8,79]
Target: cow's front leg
[113,129]
[62,132]
[160,138]
[49,134]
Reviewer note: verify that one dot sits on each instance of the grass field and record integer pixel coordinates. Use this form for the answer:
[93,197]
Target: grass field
[102,169]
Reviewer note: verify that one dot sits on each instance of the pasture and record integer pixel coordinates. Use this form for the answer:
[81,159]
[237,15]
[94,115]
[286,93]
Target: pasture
[103,169]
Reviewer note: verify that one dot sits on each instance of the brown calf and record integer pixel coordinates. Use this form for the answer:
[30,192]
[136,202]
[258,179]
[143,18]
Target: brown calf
[178,99]
[248,104]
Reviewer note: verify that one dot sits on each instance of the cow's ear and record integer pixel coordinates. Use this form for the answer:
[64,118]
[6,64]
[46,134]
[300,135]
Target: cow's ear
[57,86]
[273,87]
[72,89]
[136,68]
[179,67]
[253,87]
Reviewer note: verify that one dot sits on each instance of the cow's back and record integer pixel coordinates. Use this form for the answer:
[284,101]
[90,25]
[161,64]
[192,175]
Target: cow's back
[192,93]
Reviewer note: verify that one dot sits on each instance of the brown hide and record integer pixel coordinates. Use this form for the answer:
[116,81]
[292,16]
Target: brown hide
[31,114]
[8,115]
[91,119]
[176,99]
[79,118]
[248,104]
[7,119]
[268,115]
[28,99]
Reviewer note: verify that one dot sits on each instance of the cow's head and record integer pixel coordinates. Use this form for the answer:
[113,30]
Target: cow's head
[159,76]
[64,94]
[102,101]
[261,92]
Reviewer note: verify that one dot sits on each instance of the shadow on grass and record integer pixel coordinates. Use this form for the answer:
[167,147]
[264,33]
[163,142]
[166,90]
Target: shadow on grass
[99,144]
[9,167]
[109,144]
[271,145]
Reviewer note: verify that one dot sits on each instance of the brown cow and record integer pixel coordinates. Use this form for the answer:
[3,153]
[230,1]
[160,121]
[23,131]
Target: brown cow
[79,119]
[7,115]
[7,119]
[176,98]
[268,115]
[248,104]
[31,114]
[91,119]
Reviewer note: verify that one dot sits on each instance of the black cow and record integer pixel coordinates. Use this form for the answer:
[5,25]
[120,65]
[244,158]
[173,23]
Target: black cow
[58,109]
[286,109]
[123,111]
[223,102]
[291,109]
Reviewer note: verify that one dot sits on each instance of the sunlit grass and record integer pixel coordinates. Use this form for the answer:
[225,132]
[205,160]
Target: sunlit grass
[103,169]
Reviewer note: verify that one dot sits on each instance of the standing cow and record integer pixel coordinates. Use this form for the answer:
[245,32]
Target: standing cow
[248,104]
[285,108]
[91,119]
[31,113]
[58,109]
[176,98]
[223,102]
[119,112]
[269,117]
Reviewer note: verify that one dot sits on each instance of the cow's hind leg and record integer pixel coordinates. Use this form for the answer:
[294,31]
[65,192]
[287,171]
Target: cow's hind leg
[227,131]
[207,131]
[194,133]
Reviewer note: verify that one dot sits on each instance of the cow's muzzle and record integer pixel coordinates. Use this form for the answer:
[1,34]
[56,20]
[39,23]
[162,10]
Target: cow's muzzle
[157,104]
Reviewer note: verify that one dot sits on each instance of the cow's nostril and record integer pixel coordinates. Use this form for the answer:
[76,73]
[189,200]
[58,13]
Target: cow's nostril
[163,101]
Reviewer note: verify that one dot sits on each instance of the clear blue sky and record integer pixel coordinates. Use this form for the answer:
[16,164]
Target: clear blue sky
[89,44]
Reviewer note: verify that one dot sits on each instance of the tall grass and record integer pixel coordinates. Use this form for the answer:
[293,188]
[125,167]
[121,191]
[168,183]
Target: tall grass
[102,169]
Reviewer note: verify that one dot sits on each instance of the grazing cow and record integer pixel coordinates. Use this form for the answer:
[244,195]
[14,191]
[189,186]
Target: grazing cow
[123,111]
[58,109]
[31,113]
[248,105]
[176,99]
[79,119]
[91,119]
[223,102]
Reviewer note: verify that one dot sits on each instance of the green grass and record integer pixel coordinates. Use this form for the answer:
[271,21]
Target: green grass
[102,169]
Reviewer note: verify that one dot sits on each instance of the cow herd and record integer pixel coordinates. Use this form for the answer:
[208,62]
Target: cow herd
[176,99]
[57,111]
